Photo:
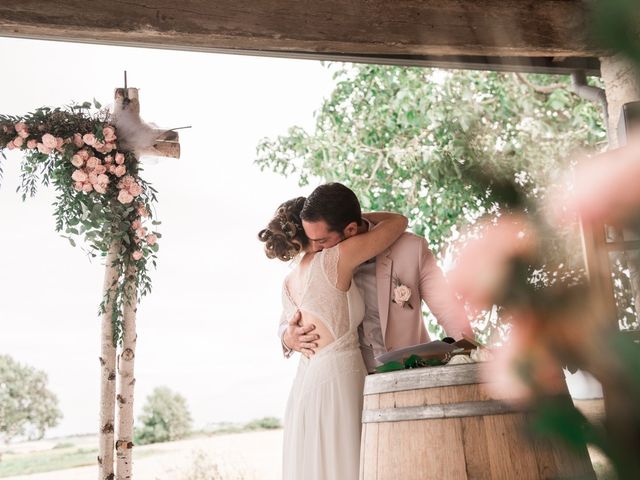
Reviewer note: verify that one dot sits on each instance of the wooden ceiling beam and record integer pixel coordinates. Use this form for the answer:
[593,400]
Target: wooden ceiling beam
[358,28]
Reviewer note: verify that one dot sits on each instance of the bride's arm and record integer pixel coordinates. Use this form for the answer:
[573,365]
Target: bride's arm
[377,217]
[360,248]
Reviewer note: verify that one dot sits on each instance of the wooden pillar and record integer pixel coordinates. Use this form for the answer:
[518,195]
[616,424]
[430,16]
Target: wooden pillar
[126,379]
[108,368]
[622,85]
[133,135]
[126,104]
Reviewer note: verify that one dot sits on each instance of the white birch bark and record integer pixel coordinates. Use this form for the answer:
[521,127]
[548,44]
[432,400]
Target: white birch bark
[108,370]
[126,380]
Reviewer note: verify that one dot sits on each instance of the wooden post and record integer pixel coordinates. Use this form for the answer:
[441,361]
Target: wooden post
[139,137]
[108,369]
[126,105]
[621,83]
[126,379]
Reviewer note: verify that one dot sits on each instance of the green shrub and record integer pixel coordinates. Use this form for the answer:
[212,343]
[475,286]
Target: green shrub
[165,417]
[265,423]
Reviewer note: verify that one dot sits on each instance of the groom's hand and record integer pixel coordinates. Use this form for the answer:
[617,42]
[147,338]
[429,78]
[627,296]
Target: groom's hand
[300,338]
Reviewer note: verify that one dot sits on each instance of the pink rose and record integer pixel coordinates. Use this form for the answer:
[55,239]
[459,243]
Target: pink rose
[127,181]
[31,144]
[136,224]
[109,134]
[119,158]
[79,176]
[89,138]
[20,126]
[77,140]
[142,211]
[109,147]
[98,145]
[84,154]
[605,189]
[151,239]
[124,197]
[103,179]
[141,232]
[49,141]
[92,162]
[503,376]
[59,142]
[78,186]
[108,160]
[87,187]
[100,169]
[77,161]
[23,133]
[137,255]
[43,148]
[112,169]
[484,263]
[120,170]
[18,141]
[93,178]
[100,188]
[135,189]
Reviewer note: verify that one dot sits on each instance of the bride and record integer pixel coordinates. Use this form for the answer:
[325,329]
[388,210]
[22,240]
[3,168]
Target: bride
[322,423]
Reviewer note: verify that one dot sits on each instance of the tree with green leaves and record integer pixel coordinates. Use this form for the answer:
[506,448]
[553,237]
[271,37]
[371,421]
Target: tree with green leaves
[165,417]
[443,147]
[27,407]
[413,140]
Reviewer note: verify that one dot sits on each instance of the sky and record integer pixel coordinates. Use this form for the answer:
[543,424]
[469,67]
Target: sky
[208,329]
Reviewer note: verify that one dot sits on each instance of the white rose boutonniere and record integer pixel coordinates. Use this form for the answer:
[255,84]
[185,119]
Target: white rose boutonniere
[401,293]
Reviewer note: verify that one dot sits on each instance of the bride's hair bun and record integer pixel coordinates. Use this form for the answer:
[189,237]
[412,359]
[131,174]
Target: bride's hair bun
[284,237]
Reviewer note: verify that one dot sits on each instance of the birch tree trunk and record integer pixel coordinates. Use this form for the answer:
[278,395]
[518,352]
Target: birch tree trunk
[126,379]
[108,369]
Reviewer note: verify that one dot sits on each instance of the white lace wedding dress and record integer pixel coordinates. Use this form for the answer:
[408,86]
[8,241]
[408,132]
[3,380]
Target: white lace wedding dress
[322,423]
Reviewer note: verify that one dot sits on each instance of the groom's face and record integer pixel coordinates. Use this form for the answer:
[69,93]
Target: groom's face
[320,236]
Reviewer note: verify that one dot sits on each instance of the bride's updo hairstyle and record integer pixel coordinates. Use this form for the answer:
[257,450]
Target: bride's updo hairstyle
[284,236]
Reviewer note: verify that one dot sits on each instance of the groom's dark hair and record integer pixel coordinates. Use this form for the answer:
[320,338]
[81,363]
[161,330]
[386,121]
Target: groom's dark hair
[334,203]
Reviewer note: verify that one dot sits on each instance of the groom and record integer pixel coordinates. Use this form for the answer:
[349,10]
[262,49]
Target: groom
[393,284]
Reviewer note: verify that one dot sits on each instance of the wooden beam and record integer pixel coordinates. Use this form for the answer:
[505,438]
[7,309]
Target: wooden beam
[512,28]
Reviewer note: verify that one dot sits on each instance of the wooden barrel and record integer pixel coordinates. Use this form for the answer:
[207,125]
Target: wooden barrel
[440,423]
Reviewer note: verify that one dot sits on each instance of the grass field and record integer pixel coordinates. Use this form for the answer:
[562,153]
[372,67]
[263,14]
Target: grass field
[60,458]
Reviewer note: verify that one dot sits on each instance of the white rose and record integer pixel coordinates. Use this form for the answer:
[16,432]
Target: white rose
[401,294]
[481,355]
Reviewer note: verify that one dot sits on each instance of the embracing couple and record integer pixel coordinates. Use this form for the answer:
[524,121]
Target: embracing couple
[355,293]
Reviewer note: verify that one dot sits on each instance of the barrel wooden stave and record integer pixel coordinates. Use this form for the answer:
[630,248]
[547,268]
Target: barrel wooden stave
[466,447]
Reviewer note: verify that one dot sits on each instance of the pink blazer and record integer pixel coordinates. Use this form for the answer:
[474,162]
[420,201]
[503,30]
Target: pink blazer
[412,263]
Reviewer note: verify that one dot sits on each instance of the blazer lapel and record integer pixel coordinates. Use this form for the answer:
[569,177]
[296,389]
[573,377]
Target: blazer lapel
[383,283]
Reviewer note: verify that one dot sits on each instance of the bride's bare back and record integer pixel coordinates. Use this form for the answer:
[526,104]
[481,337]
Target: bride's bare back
[295,284]
[311,289]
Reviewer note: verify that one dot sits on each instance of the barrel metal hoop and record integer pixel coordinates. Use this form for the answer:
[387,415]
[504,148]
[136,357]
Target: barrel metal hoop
[420,378]
[440,411]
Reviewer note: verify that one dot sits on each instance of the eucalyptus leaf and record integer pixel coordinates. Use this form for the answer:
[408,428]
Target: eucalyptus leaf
[390,367]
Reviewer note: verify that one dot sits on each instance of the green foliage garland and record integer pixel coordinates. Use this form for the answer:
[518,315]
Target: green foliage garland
[100,196]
